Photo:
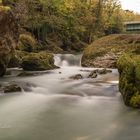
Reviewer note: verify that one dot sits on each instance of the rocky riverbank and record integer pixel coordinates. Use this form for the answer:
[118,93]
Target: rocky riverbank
[118,51]
[18,48]
[105,51]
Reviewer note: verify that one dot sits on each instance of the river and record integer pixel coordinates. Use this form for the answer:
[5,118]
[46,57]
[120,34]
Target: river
[59,108]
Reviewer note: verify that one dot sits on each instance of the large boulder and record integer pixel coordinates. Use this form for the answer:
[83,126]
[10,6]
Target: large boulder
[38,62]
[8,37]
[129,81]
[105,51]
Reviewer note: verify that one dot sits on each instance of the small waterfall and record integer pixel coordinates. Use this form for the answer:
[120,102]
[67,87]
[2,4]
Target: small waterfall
[63,60]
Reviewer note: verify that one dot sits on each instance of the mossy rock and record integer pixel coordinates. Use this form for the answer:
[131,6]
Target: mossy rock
[105,51]
[38,62]
[129,79]
[27,43]
[16,58]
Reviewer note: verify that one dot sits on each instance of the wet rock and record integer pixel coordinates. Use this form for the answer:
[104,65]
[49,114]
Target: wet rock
[76,77]
[104,71]
[93,74]
[11,88]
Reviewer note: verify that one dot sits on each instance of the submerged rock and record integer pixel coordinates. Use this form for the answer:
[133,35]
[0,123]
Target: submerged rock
[8,37]
[93,74]
[104,71]
[11,88]
[76,77]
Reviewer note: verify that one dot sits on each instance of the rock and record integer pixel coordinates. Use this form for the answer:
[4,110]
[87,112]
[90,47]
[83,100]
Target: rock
[14,62]
[16,87]
[11,88]
[76,77]
[38,62]
[129,79]
[104,52]
[27,43]
[8,37]
[93,74]
[107,61]
[104,71]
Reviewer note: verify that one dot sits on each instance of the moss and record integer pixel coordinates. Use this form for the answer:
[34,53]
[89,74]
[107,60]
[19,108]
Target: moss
[38,62]
[129,81]
[27,43]
[135,100]
[4,8]
[112,44]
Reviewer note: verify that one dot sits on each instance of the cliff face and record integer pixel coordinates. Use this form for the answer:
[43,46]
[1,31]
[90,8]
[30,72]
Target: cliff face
[8,37]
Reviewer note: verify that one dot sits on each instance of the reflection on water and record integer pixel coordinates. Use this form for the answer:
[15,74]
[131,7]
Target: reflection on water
[58,108]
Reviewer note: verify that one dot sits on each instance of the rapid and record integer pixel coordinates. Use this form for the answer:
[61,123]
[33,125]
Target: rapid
[56,107]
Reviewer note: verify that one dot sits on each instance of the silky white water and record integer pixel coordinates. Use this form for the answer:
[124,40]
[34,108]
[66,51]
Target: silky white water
[59,108]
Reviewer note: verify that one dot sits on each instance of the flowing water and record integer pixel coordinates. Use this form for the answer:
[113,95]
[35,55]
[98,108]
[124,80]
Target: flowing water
[59,108]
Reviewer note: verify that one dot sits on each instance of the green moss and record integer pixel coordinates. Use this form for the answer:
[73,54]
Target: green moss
[38,61]
[129,81]
[4,8]
[135,100]
[27,43]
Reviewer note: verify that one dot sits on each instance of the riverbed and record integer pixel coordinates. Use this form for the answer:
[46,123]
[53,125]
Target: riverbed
[59,108]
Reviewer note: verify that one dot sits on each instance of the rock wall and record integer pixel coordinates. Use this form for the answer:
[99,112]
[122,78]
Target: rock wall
[8,37]
[129,85]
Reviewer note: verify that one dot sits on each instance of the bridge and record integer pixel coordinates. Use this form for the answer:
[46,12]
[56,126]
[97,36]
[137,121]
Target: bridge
[132,26]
